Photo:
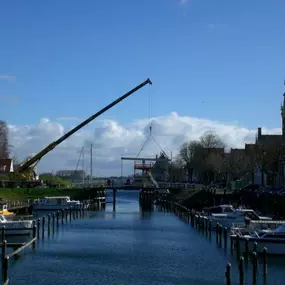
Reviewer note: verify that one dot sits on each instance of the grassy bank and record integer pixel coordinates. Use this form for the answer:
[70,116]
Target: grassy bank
[34,193]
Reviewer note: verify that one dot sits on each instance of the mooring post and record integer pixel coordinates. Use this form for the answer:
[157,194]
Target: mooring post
[43,227]
[228,274]
[62,217]
[241,271]
[114,199]
[34,234]
[238,246]
[3,233]
[225,237]
[49,223]
[4,252]
[5,270]
[57,218]
[53,220]
[265,262]
[66,215]
[254,267]
[39,224]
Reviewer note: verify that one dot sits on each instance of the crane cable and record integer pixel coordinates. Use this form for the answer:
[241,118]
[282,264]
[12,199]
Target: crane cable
[150,122]
[150,130]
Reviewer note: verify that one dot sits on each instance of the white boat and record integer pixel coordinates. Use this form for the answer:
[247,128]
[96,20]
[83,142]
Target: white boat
[56,203]
[221,209]
[238,218]
[15,228]
[273,240]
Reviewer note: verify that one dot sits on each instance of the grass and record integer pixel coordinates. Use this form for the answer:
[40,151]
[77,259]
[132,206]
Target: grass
[34,193]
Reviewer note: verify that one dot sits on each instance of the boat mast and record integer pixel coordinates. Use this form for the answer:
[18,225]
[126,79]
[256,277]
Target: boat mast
[83,173]
[91,166]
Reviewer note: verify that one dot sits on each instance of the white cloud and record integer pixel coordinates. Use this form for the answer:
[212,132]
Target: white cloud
[112,140]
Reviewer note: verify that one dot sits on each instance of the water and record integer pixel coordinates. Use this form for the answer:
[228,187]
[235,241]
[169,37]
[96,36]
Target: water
[128,247]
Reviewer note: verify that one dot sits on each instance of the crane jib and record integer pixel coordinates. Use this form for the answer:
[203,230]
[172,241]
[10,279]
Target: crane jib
[51,146]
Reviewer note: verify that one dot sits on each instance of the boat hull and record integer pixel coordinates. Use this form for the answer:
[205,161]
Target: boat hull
[56,207]
[274,247]
[15,228]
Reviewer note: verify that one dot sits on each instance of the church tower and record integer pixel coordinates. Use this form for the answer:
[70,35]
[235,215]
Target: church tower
[283,114]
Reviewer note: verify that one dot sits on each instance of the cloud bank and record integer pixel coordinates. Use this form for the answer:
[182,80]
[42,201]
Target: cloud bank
[112,140]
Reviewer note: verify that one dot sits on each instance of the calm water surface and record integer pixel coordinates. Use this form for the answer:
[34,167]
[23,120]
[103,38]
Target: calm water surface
[129,247]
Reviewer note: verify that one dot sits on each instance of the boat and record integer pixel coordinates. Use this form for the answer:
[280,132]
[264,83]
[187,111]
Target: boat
[16,228]
[56,203]
[240,217]
[221,209]
[273,240]
[4,211]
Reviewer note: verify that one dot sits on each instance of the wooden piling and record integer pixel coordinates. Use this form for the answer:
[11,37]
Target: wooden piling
[238,246]
[246,248]
[49,217]
[34,234]
[57,218]
[254,268]
[241,270]
[228,274]
[38,226]
[53,221]
[264,262]
[5,267]
[3,232]
[217,232]
[43,227]
[225,237]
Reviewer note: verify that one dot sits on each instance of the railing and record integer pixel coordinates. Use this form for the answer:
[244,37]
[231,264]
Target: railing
[18,203]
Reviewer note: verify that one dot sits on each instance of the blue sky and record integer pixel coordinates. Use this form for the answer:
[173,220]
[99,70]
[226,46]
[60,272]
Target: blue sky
[71,58]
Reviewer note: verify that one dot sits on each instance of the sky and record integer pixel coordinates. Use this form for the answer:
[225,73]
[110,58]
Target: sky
[215,65]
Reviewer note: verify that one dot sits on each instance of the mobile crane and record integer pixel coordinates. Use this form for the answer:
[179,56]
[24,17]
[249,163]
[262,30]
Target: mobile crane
[26,171]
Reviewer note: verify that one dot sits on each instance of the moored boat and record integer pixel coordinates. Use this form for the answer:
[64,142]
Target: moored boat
[273,240]
[4,211]
[239,217]
[56,203]
[15,228]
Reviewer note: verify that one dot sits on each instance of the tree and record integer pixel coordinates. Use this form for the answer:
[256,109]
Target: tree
[211,140]
[216,162]
[189,155]
[267,159]
[175,171]
[4,144]
[238,163]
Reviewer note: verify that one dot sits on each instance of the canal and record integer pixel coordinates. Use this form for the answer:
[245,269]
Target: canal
[130,247]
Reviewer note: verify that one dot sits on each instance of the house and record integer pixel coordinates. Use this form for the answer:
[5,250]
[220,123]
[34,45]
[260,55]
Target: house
[6,166]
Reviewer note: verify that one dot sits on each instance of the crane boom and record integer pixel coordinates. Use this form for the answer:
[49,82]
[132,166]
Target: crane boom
[51,146]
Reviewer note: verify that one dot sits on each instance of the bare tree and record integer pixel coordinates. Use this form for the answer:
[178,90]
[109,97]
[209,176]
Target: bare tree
[267,159]
[176,172]
[189,156]
[211,140]
[4,144]
[239,164]
[216,163]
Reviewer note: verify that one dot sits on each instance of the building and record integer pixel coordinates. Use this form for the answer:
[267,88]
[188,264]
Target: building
[6,166]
